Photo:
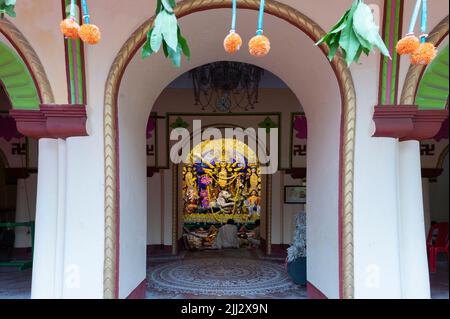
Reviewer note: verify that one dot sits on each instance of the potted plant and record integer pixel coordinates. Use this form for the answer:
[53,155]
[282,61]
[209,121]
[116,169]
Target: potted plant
[296,258]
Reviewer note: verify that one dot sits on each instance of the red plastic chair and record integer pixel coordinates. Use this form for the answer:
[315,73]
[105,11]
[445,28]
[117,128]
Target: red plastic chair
[437,244]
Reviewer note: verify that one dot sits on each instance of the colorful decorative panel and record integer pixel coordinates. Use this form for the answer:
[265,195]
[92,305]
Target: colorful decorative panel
[221,181]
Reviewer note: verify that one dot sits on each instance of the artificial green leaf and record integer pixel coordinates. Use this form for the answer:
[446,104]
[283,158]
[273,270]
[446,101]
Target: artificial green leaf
[333,50]
[166,51]
[157,36]
[175,56]
[167,6]
[10,2]
[364,43]
[173,3]
[348,40]
[366,28]
[158,7]
[147,48]
[169,28]
[10,11]
[184,45]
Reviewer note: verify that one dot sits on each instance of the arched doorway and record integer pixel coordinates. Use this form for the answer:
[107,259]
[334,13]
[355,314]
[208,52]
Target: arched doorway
[345,122]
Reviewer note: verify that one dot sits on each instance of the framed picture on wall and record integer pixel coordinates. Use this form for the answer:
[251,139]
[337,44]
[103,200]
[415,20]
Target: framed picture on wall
[295,194]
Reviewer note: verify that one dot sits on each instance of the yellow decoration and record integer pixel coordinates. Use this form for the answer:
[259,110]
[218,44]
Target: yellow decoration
[259,46]
[232,42]
[424,54]
[70,28]
[408,45]
[90,33]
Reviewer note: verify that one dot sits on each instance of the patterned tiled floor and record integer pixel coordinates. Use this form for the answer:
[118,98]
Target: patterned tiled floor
[17,284]
[225,274]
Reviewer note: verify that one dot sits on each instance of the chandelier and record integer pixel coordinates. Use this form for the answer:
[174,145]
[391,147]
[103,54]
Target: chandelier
[226,86]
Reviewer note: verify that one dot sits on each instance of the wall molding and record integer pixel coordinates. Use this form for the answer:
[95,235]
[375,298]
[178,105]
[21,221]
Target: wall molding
[407,122]
[52,121]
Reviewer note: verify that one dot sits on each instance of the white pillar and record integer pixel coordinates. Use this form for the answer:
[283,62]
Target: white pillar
[25,209]
[426,203]
[413,256]
[44,272]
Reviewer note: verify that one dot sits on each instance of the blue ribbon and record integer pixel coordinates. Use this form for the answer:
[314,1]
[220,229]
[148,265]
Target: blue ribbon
[84,6]
[233,19]
[261,18]
[414,17]
[424,22]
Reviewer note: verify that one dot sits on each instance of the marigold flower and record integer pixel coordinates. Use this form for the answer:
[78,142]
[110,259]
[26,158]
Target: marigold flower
[232,42]
[90,33]
[424,54]
[70,28]
[259,46]
[408,45]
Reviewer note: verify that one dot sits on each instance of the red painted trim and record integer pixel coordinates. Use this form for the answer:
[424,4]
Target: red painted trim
[313,292]
[139,291]
[393,120]
[408,122]
[66,54]
[400,32]
[52,121]
[116,127]
[380,79]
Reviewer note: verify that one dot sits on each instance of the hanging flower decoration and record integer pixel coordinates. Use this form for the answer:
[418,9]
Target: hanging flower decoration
[7,6]
[259,45]
[87,32]
[422,52]
[408,45]
[69,26]
[233,40]
[355,33]
[166,33]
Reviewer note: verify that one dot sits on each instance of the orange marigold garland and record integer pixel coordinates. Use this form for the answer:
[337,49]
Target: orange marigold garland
[424,54]
[232,42]
[259,46]
[70,28]
[89,33]
[408,45]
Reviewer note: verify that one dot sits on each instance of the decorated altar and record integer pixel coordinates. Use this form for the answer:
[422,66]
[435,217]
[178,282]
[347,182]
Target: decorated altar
[221,181]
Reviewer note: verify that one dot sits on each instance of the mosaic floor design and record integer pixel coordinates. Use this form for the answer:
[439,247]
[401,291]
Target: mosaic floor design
[237,274]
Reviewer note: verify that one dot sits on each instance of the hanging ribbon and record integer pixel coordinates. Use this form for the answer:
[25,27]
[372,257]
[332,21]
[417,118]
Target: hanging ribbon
[259,45]
[415,15]
[233,40]
[89,33]
[85,9]
[424,22]
[70,27]
[261,18]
